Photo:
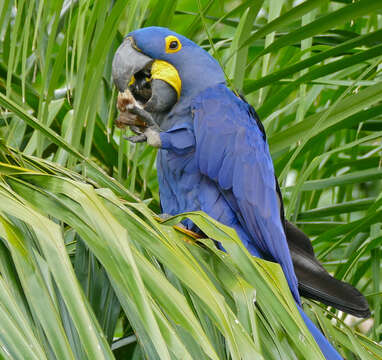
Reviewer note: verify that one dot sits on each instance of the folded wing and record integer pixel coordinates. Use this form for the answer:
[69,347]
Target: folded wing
[232,151]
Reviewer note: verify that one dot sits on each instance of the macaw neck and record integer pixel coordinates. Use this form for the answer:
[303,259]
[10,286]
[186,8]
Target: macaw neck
[192,89]
[181,111]
[202,73]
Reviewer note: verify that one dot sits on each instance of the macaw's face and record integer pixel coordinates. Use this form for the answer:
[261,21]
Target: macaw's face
[160,67]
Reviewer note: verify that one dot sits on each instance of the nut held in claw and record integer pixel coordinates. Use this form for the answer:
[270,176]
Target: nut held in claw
[127,118]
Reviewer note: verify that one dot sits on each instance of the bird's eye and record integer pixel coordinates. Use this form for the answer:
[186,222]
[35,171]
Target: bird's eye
[172,44]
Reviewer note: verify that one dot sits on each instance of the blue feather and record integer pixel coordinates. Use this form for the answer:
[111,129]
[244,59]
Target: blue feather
[250,177]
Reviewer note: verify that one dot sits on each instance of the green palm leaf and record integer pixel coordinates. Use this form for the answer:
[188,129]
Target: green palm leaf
[87,269]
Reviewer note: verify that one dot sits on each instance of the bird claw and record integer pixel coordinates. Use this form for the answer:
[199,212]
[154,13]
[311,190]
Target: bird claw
[138,119]
[150,135]
[143,114]
[136,139]
[126,117]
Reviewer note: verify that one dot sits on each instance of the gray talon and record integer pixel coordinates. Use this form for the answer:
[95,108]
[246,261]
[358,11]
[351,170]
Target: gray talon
[142,113]
[136,139]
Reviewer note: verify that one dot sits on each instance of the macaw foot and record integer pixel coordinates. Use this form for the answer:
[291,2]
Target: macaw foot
[128,119]
[136,139]
[149,135]
[142,114]
[132,112]
[140,121]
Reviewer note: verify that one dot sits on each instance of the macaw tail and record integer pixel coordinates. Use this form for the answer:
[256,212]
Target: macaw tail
[327,349]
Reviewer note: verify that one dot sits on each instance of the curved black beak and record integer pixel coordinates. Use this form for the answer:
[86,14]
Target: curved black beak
[127,62]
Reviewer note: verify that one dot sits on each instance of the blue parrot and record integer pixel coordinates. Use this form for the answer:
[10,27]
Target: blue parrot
[213,156]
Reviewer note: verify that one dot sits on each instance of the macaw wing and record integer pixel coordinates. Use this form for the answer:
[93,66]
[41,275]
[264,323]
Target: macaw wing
[232,151]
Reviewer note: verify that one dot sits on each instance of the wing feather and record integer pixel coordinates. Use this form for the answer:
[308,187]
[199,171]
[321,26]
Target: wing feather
[231,151]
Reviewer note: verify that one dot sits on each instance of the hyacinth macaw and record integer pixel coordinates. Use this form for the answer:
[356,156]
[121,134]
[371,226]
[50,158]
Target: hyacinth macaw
[213,156]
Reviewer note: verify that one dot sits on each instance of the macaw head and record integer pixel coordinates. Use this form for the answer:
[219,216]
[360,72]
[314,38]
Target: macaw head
[174,66]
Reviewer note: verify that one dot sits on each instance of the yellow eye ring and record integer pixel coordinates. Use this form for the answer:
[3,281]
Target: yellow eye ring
[173,44]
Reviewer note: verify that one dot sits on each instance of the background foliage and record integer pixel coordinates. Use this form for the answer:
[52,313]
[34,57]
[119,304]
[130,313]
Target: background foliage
[88,271]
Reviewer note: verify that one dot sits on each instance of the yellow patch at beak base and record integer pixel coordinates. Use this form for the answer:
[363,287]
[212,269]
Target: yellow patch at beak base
[132,81]
[165,71]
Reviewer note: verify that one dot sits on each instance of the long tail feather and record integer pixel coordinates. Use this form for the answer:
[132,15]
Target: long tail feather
[316,283]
